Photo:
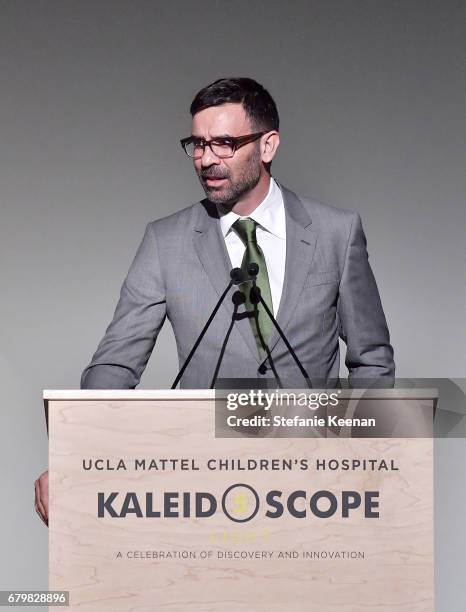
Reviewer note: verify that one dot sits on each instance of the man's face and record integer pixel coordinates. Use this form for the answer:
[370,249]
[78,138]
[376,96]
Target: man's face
[225,180]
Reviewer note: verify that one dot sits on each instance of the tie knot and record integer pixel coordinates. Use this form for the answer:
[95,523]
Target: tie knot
[246,229]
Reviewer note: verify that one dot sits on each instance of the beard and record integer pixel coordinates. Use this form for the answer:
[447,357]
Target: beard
[232,190]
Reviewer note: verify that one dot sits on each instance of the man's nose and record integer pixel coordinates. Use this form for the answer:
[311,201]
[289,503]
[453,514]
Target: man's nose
[209,158]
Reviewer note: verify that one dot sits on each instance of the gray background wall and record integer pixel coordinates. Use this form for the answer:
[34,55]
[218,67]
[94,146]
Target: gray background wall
[94,97]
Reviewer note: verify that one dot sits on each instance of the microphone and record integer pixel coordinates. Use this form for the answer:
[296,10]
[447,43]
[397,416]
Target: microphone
[237,277]
[256,298]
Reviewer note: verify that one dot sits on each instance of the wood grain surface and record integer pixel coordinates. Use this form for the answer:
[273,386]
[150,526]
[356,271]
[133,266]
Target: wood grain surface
[93,557]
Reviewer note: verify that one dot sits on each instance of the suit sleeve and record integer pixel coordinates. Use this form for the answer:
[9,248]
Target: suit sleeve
[122,354]
[363,326]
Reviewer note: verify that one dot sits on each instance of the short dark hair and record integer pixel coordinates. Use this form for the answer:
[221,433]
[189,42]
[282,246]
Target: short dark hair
[258,104]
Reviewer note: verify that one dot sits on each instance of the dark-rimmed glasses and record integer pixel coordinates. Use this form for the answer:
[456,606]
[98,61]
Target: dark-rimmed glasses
[221,147]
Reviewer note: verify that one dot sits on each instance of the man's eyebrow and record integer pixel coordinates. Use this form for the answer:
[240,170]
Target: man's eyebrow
[213,138]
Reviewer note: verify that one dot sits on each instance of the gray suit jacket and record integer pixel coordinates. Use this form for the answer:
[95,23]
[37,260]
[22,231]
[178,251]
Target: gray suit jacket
[181,268]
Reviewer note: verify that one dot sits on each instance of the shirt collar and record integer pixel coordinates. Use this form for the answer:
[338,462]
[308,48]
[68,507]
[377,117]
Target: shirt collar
[270,214]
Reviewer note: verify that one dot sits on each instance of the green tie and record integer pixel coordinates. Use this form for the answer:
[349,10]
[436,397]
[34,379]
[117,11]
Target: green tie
[246,230]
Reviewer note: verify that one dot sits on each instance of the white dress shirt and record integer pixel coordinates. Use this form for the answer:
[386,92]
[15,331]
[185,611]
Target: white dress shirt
[270,234]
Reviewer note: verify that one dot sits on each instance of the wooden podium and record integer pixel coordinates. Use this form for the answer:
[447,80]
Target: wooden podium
[134,477]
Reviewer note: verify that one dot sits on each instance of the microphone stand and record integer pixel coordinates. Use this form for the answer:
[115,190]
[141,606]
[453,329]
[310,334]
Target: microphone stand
[265,346]
[256,297]
[237,276]
[238,298]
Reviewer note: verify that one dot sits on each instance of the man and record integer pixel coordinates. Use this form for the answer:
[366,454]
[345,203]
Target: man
[314,273]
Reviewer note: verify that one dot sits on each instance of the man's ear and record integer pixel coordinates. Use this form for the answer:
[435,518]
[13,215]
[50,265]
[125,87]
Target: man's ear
[269,146]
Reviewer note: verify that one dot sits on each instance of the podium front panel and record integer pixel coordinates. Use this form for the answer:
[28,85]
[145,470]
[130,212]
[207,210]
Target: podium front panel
[149,510]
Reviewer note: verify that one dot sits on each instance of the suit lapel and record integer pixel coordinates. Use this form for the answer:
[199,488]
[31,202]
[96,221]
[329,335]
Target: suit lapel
[300,247]
[211,250]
